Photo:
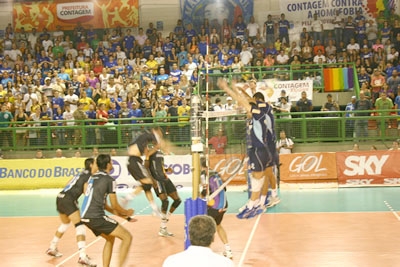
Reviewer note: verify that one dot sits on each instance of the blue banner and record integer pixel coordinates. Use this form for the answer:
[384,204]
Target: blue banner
[195,11]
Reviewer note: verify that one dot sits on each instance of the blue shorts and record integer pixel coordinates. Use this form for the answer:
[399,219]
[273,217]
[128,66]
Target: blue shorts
[261,158]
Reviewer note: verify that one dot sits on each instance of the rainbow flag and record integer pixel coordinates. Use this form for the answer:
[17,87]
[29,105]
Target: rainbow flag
[338,79]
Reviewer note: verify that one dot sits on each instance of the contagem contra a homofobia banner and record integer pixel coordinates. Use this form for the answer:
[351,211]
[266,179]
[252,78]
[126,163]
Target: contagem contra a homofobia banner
[97,14]
[303,11]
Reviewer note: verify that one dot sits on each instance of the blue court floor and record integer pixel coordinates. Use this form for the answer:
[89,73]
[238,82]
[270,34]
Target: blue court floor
[371,199]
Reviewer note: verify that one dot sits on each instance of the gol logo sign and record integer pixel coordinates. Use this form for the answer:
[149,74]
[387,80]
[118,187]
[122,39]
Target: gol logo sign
[307,163]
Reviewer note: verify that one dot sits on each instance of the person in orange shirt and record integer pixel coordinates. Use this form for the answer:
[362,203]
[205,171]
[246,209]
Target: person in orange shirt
[219,142]
[318,46]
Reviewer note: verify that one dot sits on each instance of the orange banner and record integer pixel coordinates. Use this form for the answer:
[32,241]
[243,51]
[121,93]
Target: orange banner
[230,164]
[99,14]
[307,166]
[369,168]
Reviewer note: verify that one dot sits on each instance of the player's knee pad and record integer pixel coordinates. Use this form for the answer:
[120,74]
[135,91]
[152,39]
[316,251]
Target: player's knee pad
[256,184]
[80,229]
[63,227]
[164,204]
[147,187]
[176,203]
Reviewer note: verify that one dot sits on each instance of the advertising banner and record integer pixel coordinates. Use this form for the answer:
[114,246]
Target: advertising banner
[271,89]
[308,166]
[97,14]
[20,174]
[55,173]
[195,11]
[369,168]
[230,164]
[303,11]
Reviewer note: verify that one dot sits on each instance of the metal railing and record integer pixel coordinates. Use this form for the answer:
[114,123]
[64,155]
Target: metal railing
[303,127]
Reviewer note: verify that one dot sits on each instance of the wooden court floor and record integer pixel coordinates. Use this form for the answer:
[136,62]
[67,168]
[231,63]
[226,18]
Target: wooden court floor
[276,238]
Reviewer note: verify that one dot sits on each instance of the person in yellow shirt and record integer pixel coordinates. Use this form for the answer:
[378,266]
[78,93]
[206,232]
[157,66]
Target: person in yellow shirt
[104,99]
[3,93]
[152,64]
[86,101]
[184,125]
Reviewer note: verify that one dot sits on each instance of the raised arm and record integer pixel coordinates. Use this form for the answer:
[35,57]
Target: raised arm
[236,93]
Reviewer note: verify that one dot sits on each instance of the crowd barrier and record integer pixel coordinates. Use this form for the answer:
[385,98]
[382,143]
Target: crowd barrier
[353,168]
[348,169]
[55,173]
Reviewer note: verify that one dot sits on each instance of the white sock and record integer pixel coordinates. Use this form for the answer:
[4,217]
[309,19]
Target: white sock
[163,224]
[262,199]
[153,206]
[54,242]
[82,250]
[274,192]
[169,214]
[227,247]
[252,203]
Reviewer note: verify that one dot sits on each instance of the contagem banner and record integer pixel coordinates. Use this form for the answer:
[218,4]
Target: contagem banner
[303,11]
[97,14]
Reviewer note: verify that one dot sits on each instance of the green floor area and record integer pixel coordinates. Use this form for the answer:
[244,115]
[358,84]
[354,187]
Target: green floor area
[374,199]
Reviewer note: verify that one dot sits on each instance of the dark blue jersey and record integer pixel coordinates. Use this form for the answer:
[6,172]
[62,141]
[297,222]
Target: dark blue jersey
[74,188]
[100,185]
[261,128]
[157,166]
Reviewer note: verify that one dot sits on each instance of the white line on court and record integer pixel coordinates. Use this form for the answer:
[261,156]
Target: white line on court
[246,248]
[392,210]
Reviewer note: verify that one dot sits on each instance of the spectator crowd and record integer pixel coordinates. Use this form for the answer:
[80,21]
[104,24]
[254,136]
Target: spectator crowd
[107,74]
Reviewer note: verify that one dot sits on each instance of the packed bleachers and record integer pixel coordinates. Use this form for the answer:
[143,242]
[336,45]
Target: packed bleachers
[94,77]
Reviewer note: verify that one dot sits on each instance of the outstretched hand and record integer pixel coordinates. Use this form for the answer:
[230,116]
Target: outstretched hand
[222,84]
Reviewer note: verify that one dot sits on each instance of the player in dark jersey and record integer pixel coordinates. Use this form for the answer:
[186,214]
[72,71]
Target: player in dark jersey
[217,207]
[144,145]
[261,148]
[100,189]
[165,188]
[67,207]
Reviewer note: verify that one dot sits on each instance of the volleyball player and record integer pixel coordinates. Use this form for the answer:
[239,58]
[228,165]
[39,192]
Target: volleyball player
[164,189]
[67,207]
[101,190]
[261,146]
[217,207]
[144,145]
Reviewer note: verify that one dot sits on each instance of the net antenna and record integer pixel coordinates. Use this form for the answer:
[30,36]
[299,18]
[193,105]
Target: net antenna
[207,150]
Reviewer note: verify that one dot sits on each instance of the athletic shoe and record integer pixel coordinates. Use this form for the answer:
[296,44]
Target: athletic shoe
[54,253]
[273,201]
[228,254]
[256,211]
[262,209]
[164,232]
[243,207]
[244,214]
[86,261]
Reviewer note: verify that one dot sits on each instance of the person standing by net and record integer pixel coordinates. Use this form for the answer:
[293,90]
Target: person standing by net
[217,206]
[261,147]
